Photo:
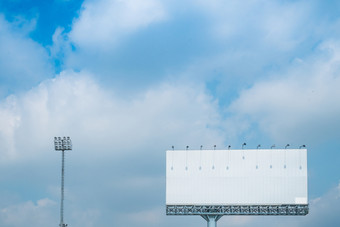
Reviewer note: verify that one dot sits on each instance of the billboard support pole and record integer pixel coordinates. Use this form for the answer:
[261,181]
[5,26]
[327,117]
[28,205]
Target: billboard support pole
[211,219]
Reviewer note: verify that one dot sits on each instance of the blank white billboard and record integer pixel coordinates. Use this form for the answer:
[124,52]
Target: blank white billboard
[236,177]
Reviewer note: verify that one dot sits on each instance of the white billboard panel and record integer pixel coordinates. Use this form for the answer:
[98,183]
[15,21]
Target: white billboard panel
[236,177]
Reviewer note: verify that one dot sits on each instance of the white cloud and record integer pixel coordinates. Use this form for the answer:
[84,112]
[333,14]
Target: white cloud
[101,29]
[29,214]
[271,24]
[102,23]
[74,104]
[299,105]
[23,62]
[324,210]
[9,121]
[60,46]
[108,133]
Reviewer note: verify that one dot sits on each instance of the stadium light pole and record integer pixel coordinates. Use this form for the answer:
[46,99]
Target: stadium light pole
[62,144]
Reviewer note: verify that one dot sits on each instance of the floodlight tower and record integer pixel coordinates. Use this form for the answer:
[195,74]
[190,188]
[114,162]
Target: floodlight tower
[62,144]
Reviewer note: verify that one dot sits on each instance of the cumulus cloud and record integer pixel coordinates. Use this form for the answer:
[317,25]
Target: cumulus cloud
[299,105]
[102,23]
[117,39]
[98,35]
[9,121]
[74,104]
[29,214]
[23,62]
[119,143]
[324,210]
[272,24]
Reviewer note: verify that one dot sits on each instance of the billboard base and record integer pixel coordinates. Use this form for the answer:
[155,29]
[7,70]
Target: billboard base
[211,219]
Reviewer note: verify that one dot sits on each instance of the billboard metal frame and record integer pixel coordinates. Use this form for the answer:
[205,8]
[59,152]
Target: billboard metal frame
[238,210]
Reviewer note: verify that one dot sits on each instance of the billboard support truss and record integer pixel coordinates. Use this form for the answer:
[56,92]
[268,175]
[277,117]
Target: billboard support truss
[237,210]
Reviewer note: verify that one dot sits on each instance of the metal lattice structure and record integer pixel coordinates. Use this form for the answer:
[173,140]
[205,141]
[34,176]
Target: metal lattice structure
[62,144]
[238,210]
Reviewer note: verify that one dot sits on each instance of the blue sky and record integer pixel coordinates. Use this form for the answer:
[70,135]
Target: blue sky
[129,79]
